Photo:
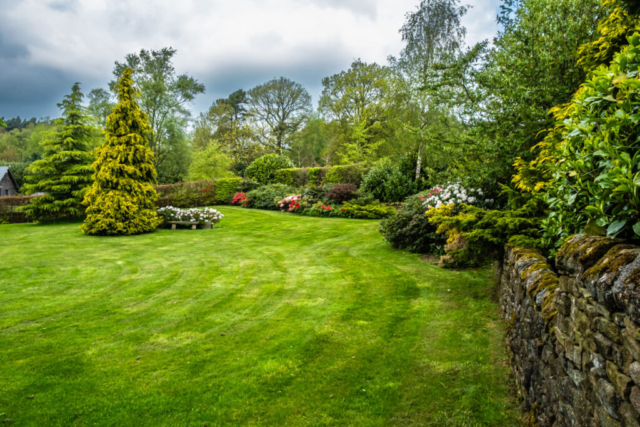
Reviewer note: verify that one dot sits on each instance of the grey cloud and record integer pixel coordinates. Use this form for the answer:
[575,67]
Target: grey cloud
[12,50]
[63,5]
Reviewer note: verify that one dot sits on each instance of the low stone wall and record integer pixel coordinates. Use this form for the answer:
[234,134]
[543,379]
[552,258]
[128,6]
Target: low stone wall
[573,336]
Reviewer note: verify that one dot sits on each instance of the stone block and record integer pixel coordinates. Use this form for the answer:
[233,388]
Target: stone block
[620,381]
[608,328]
[629,415]
[635,398]
[632,328]
[631,345]
[608,397]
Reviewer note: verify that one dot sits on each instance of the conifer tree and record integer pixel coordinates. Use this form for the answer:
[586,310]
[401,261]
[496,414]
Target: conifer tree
[122,199]
[64,172]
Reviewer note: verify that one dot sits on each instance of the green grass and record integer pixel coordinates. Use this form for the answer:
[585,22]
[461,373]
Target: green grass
[273,319]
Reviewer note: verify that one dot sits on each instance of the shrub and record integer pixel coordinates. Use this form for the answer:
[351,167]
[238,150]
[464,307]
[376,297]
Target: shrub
[264,168]
[456,194]
[226,188]
[322,209]
[265,197]
[373,211]
[599,174]
[201,216]
[387,183]
[486,232]
[290,203]
[316,176]
[247,185]
[410,229]
[239,199]
[340,193]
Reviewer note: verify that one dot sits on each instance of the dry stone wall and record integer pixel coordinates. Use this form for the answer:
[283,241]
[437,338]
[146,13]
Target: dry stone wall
[573,332]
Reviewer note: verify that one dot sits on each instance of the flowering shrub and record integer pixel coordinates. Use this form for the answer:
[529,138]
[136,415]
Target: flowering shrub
[290,203]
[453,193]
[240,199]
[200,216]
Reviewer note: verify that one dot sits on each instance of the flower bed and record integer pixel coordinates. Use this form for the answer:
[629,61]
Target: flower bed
[200,216]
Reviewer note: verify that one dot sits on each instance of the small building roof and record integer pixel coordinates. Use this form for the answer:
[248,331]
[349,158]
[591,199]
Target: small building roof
[6,170]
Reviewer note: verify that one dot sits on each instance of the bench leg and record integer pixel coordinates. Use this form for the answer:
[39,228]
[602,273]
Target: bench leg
[173,226]
[193,227]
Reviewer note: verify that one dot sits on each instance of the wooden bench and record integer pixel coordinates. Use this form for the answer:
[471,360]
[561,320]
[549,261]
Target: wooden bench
[194,225]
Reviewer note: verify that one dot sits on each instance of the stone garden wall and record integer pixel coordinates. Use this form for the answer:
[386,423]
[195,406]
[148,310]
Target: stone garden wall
[573,336]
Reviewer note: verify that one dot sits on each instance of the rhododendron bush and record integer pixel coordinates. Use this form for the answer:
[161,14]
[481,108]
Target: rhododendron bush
[290,203]
[456,194]
[240,199]
[200,216]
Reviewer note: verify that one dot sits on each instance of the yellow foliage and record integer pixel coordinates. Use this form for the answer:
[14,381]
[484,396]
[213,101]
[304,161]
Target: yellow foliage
[122,199]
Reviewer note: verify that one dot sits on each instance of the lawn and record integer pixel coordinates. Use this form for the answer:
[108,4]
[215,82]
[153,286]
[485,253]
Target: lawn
[271,319]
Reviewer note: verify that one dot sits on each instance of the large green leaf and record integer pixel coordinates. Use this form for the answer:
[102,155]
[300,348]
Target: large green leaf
[616,227]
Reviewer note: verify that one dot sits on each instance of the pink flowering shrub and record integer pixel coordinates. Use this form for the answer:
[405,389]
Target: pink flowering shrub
[290,203]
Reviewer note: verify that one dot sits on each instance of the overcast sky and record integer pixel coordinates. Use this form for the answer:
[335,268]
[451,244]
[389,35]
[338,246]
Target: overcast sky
[47,45]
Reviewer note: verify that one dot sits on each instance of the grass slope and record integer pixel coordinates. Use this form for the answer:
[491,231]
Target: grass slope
[273,319]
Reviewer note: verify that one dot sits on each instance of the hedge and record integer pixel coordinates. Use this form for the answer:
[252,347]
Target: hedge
[201,193]
[9,206]
[301,177]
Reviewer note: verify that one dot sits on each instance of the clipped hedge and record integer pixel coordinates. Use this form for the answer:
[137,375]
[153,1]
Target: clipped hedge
[10,212]
[301,177]
[201,193]
[264,169]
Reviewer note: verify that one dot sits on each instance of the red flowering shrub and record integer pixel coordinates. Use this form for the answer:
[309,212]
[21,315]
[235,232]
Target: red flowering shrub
[240,199]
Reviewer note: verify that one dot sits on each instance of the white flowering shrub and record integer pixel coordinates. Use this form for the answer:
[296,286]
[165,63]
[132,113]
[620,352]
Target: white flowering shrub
[200,216]
[456,194]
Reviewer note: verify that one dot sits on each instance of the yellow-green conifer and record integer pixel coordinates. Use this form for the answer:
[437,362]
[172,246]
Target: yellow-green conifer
[122,200]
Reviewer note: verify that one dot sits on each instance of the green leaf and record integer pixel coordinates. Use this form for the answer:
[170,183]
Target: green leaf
[636,228]
[615,227]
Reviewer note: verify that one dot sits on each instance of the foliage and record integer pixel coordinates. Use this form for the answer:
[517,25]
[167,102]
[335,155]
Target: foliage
[372,211]
[226,188]
[264,168]
[188,194]
[410,229]
[387,183]
[265,197]
[621,20]
[340,193]
[278,108]
[21,143]
[504,92]
[596,174]
[121,200]
[297,177]
[355,102]
[310,146]
[209,163]
[345,174]
[64,172]
[486,232]
[2,123]
[164,96]
[200,216]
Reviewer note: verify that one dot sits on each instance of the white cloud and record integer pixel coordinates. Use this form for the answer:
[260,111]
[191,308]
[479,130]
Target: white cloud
[219,42]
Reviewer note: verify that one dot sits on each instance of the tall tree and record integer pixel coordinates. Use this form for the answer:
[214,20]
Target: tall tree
[164,95]
[121,200]
[100,105]
[279,108]
[434,36]
[356,101]
[64,172]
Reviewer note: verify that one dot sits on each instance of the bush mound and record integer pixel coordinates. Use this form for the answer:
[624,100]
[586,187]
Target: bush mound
[264,169]
[265,197]
[340,193]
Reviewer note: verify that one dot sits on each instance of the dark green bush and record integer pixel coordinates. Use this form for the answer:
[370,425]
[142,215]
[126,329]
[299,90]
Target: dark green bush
[340,193]
[296,177]
[265,197]
[387,182]
[264,168]
[410,229]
